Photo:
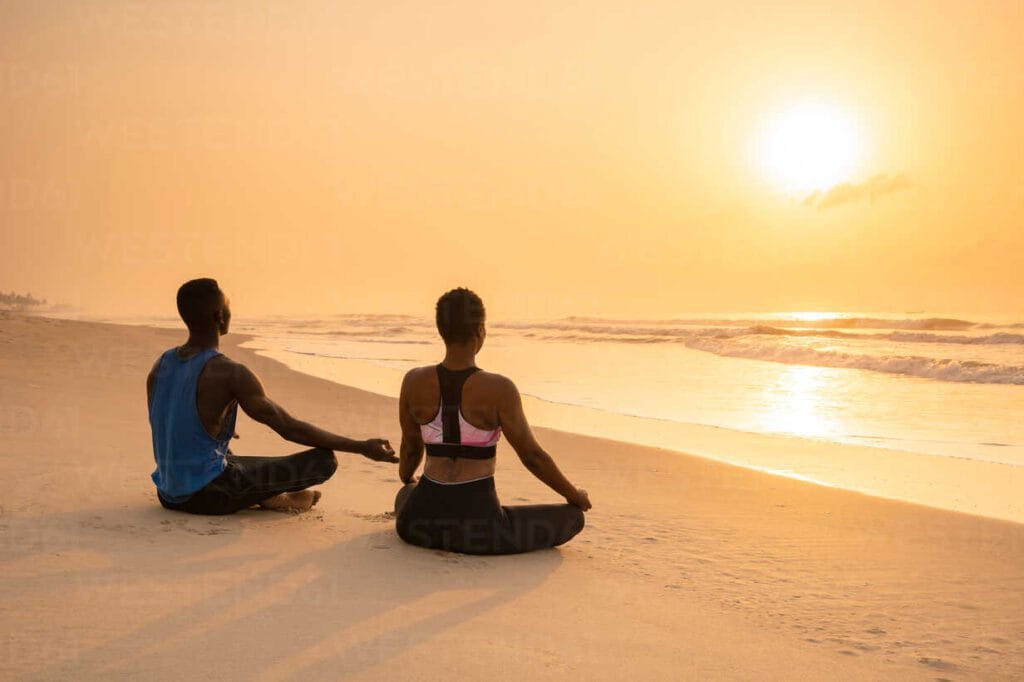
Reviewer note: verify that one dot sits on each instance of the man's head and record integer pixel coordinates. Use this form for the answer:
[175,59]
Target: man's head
[460,317]
[203,306]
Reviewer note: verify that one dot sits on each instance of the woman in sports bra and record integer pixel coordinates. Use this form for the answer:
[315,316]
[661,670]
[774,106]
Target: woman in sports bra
[457,412]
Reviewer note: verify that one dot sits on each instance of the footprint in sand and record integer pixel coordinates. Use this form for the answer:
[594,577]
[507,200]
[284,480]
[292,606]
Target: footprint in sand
[382,517]
[190,526]
[462,560]
[987,650]
[936,663]
[98,523]
[214,530]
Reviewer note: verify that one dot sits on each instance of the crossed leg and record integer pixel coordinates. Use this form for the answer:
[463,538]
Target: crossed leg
[279,483]
[300,501]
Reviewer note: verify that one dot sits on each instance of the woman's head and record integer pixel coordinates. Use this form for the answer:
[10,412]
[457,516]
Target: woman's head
[460,317]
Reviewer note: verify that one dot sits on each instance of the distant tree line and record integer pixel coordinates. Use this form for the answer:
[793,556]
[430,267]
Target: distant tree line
[20,301]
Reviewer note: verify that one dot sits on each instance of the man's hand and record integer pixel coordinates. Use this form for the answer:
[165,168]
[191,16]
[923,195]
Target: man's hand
[580,499]
[379,450]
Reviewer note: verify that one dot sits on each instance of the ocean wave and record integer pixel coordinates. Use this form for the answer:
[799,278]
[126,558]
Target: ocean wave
[837,322]
[999,338]
[993,325]
[989,339]
[941,369]
[667,335]
[376,335]
[337,356]
[759,343]
[930,323]
[775,340]
[838,326]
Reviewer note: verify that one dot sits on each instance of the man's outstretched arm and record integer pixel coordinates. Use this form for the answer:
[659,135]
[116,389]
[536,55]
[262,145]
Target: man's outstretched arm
[253,400]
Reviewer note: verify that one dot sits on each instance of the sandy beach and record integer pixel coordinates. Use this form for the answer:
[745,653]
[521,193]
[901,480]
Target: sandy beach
[688,568]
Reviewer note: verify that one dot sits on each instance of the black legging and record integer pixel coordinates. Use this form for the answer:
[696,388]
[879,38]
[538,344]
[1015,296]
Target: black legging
[250,480]
[468,518]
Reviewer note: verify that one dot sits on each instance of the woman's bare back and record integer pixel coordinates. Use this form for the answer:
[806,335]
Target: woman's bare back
[480,399]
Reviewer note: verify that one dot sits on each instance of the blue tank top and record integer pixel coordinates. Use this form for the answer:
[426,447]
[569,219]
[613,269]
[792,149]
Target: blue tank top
[187,457]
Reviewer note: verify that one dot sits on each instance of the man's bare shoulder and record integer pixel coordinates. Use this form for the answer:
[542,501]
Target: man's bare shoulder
[223,368]
[222,361]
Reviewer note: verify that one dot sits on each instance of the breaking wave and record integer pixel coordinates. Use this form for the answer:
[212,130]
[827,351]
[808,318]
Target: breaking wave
[943,369]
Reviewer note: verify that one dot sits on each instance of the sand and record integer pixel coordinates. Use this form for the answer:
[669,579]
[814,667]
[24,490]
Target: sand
[688,568]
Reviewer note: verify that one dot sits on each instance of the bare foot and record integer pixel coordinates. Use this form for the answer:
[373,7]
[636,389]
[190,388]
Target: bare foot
[300,501]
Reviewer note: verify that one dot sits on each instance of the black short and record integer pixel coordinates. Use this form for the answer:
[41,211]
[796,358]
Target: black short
[468,518]
[250,480]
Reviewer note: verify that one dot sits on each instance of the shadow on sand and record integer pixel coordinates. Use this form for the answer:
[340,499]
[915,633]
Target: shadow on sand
[232,604]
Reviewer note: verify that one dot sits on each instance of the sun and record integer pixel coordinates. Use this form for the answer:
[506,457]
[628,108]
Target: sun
[809,146]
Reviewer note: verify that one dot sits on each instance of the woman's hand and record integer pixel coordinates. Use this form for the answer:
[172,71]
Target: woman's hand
[580,499]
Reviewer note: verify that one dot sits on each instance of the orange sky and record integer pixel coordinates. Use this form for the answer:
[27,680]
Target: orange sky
[593,159]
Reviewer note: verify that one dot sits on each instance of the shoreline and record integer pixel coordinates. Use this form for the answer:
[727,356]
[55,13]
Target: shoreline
[935,481]
[782,576]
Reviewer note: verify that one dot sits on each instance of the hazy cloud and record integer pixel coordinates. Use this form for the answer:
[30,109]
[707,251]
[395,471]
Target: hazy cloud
[849,192]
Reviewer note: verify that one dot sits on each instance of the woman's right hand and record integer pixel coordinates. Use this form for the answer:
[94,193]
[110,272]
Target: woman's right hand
[580,499]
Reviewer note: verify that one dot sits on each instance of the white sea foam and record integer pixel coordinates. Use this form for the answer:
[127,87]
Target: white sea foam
[942,369]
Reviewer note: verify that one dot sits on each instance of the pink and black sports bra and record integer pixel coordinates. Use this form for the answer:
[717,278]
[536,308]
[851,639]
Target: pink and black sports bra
[448,434]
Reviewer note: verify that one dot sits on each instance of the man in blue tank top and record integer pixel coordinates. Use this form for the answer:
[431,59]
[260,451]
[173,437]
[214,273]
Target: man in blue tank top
[194,393]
